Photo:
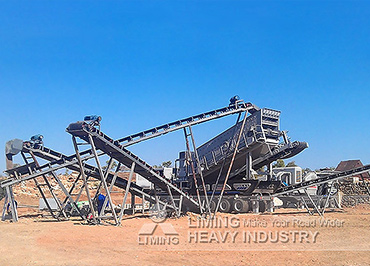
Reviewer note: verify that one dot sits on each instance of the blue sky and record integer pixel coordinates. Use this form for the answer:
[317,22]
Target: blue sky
[140,64]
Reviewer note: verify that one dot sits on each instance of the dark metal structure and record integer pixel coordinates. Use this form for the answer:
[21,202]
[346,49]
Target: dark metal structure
[32,170]
[231,172]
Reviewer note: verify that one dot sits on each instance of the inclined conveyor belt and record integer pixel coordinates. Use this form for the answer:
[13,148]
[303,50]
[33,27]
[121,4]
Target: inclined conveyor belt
[322,180]
[58,161]
[118,152]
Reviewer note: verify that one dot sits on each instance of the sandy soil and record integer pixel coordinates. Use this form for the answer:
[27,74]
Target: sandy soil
[36,240]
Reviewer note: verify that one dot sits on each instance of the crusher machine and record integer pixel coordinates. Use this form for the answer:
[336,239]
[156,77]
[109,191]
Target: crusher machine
[232,172]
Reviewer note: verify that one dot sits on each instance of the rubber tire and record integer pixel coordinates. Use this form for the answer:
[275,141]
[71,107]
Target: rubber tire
[225,206]
[212,205]
[240,206]
[262,206]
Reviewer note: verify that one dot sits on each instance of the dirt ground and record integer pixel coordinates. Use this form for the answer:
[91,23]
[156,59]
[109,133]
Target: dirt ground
[287,237]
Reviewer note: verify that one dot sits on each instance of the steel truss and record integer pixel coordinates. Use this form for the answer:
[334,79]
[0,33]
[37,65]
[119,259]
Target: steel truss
[240,133]
[100,144]
[321,180]
[77,163]
[42,181]
[191,155]
[98,140]
[58,162]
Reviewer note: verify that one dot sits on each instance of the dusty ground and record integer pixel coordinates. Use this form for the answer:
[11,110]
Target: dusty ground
[36,240]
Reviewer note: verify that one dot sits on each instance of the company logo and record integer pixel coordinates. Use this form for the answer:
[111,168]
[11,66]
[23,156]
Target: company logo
[158,213]
[150,235]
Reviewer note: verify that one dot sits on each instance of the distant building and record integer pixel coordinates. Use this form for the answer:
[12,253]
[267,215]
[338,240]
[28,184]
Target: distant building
[352,164]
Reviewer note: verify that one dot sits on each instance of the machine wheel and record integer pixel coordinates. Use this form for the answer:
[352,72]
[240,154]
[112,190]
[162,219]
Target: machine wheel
[225,205]
[262,206]
[240,206]
[212,205]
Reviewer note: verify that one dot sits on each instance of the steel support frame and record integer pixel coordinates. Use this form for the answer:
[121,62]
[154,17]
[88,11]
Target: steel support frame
[189,159]
[30,172]
[80,162]
[313,203]
[36,174]
[224,160]
[173,200]
[67,164]
[68,195]
[60,206]
[327,199]
[306,206]
[9,199]
[199,167]
[50,168]
[126,193]
[103,181]
[231,163]
[142,164]
[111,184]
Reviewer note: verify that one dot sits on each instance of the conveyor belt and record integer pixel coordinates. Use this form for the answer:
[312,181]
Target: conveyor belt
[59,161]
[287,151]
[190,121]
[122,155]
[284,152]
[322,180]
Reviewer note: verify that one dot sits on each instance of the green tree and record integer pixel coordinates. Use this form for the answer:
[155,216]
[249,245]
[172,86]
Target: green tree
[167,164]
[163,164]
[291,164]
[279,163]
[114,164]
